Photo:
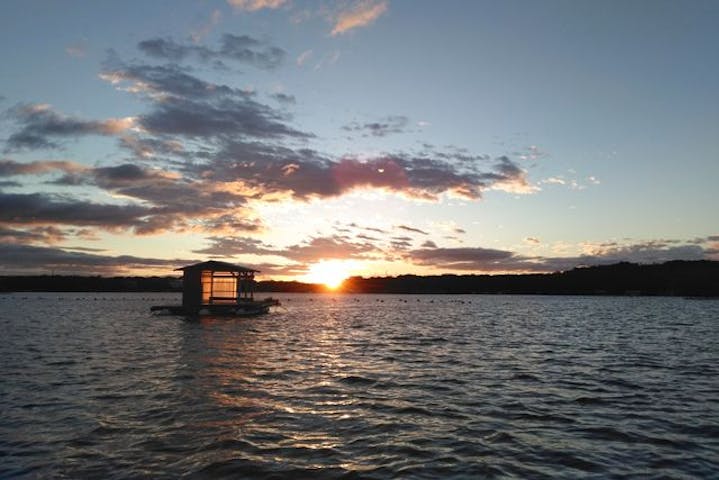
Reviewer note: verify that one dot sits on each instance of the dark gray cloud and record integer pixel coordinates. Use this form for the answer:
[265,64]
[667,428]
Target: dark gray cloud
[233,117]
[147,148]
[47,234]
[407,228]
[231,246]
[40,208]
[646,252]
[461,255]
[27,258]
[306,173]
[162,81]
[243,140]
[381,128]
[232,223]
[184,105]
[246,49]
[311,250]
[240,48]
[40,127]
[401,243]
[273,269]
[284,98]
[168,201]
[494,260]
[178,202]
[325,248]
[369,238]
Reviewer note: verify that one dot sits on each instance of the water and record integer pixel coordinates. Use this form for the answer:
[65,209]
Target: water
[360,386]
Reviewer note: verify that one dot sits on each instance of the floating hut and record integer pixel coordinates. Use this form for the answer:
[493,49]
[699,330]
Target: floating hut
[218,288]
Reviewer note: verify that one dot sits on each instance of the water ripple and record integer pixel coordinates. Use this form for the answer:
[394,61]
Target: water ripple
[360,386]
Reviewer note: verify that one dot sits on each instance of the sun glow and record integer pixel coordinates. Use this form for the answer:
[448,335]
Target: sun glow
[329,272]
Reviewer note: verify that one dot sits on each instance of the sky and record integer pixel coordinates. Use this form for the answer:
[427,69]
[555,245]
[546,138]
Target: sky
[315,140]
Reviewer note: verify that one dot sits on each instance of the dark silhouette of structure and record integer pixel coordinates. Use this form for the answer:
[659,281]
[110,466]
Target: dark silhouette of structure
[216,283]
[218,288]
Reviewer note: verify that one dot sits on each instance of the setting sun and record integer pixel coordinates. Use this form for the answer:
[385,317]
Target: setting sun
[330,273]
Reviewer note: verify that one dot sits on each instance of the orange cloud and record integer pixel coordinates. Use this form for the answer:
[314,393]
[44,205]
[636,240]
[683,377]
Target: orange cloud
[254,5]
[360,14]
[114,126]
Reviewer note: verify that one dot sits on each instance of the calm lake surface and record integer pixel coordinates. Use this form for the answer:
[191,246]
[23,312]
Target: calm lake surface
[360,386]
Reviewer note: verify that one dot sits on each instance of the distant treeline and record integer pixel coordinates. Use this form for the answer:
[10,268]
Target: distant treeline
[683,278]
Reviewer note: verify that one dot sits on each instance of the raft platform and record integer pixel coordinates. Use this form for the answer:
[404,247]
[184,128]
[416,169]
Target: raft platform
[240,309]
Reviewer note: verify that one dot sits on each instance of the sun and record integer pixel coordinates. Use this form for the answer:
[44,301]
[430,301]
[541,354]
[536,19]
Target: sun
[329,272]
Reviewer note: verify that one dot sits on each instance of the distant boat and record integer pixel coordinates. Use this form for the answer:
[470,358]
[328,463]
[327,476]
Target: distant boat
[218,288]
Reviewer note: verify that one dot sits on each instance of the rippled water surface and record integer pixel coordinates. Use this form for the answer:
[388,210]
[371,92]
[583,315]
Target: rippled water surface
[360,386]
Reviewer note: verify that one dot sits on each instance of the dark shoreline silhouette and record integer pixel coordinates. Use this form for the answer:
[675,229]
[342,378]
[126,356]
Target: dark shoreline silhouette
[676,278]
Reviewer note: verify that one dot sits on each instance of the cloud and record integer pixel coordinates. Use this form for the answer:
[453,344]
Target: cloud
[200,32]
[144,147]
[381,128]
[245,49]
[461,258]
[411,229]
[163,201]
[571,183]
[360,14]
[47,234]
[307,174]
[480,259]
[9,168]
[232,246]
[531,153]
[216,149]
[185,105]
[555,180]
[254,5]
[328,59]
[240,48]
[284,98]
[644,252]
[303,58]
[369,238]
[27,258]
[77,50]
[327,248]
[309,251]
[40,208]
[510,177]
[40,126]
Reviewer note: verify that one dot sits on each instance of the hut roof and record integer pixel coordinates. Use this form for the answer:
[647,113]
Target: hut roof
[216,266]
